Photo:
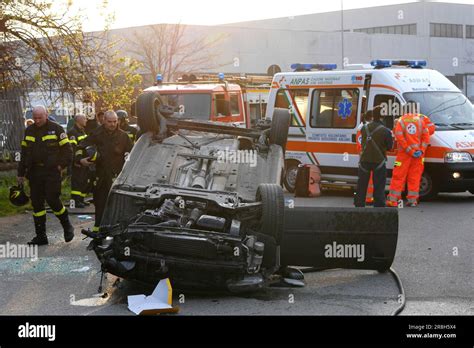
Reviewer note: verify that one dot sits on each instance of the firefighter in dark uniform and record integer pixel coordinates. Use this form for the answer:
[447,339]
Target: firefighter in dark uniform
[125,126]
[95,122]
[46,151]
[112,146]
[80,174]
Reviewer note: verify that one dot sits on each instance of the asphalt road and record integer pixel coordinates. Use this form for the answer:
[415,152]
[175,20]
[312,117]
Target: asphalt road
[438,278]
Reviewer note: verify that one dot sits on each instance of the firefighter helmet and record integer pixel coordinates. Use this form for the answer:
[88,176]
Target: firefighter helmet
[18,196]
[92,153]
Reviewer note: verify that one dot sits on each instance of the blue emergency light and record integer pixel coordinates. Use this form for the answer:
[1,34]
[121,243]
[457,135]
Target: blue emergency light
[221,76]
[309,67]
[159,78]
[387,63]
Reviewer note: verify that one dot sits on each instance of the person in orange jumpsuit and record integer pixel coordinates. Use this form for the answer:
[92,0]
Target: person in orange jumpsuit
[412,132]
[369,198]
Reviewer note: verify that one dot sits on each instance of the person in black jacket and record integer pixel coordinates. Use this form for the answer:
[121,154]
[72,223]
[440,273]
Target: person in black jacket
[125,126]
[112,146]
[45,152]
[95,123]
[376,141]
[79,174]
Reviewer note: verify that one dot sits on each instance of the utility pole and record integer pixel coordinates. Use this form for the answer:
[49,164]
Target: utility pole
[342,34]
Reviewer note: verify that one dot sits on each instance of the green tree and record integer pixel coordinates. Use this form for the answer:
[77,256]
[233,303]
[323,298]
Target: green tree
[117,82]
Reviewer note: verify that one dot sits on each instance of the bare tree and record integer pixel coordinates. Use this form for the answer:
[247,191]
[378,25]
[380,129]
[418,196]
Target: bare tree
[57,55]
[51,45]
[167,49]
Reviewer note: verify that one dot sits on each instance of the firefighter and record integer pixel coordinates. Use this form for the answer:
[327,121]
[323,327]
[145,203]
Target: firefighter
[45,153]
[79,175]
[112,145]
[376,141]
[369,198]
[125,126]
[413,135]
[95,123]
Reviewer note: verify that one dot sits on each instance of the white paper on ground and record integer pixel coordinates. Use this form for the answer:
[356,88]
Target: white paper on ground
[159,301]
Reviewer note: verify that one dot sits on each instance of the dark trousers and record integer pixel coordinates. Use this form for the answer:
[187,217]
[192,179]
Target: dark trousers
[101,192]
[45,185]
[79,182]
[380,179]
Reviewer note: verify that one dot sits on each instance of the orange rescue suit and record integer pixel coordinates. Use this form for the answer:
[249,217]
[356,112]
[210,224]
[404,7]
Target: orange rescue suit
[412,132]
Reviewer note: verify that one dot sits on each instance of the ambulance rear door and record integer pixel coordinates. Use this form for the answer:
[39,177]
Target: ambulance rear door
[334,115]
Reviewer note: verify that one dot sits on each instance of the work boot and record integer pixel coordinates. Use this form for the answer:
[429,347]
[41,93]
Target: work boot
[40,229]
[67,226]
[39,240]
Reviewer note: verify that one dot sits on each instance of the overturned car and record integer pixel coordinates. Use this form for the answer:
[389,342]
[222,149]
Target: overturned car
[198,202]
[201,203]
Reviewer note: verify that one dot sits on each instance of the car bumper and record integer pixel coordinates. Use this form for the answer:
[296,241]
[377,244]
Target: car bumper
[198,262]
[446,176]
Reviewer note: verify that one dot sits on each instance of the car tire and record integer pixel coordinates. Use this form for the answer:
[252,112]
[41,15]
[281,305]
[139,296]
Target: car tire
[147,111]
[428,187]
[273,210]
[289,179]
[279,128]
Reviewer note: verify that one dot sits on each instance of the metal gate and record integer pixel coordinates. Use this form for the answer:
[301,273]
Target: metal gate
[11,129]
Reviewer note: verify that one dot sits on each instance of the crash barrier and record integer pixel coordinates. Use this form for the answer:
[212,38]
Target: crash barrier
[11,129]
[352,238]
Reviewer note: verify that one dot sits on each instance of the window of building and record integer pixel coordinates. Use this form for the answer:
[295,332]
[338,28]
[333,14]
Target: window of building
[446,30]
[406,29]
[300,98]
[469,31]
[334,108]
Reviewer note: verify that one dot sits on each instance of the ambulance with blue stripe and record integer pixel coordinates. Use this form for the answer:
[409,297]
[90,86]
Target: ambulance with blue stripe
[326,105]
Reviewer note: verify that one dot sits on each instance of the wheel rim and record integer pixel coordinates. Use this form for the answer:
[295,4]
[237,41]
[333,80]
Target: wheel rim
[291,176]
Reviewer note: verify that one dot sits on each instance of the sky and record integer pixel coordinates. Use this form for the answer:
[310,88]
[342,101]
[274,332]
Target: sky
[129,13]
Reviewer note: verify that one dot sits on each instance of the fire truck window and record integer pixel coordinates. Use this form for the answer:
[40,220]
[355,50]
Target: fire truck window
[220,105]
[390,108]
[298,109]
[334,108]
[234,104]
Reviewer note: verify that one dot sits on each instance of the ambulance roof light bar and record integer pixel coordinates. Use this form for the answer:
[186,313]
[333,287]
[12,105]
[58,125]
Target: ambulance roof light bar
[308,67]
[387,63]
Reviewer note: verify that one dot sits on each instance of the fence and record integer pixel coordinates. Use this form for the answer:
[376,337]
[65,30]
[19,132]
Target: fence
[11,132]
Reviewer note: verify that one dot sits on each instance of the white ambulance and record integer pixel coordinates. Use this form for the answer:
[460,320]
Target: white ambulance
[326,107]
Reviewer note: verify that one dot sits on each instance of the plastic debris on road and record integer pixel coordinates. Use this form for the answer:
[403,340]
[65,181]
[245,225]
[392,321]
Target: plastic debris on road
[160,301]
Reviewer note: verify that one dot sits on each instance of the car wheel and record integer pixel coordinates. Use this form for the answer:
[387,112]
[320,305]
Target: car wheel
[273,210]
[289,179]
[147,111]
[428,187]
[280,126]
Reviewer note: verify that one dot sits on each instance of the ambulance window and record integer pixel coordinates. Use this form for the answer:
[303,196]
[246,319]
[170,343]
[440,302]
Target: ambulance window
[234,104]
[299,109]
[334,108]
[390,108]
